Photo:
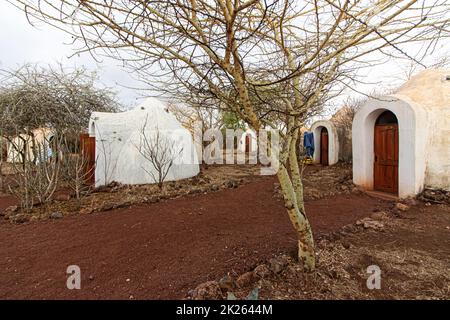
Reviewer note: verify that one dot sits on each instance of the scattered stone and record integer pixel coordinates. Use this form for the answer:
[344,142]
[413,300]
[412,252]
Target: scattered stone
[428,204]
[381,215]
[401,206]
[369,223]
[346,244]
[276,265]
[56,215]
[245,279]
[214,187]
[107,207]
[123,205]
[262,271]
[153,199]
[87,210]
[231,184]
[226,283]
[209,290]
[91,277]
[376,225]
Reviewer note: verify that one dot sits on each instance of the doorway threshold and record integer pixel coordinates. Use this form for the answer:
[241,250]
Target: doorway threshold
[382,195]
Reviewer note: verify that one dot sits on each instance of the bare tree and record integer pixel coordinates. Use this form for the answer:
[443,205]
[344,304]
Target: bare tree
[59,101]
[226,53]
[36,174]
[159,151]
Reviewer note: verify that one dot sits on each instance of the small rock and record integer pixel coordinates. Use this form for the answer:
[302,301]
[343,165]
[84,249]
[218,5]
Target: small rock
[231,184]
[401,206]
[56,215]
[226,283]
[91,277]
[372,224]
[87,210]
[262,271]
[346,244]
[107,207]
[245,279]
[209,290]
[214,187]
[428,204]
[378,216]
[276,265]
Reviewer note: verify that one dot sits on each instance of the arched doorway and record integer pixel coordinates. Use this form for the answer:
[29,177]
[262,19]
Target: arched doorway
[324,146]
[385,170]
[247,144]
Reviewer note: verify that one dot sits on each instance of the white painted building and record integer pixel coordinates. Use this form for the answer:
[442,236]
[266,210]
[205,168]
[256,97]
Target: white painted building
[119,137]
[401,142]
[326,146]
[248,142]
[35,147]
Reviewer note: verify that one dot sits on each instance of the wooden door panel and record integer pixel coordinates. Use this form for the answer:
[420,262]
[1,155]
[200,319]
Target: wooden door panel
[324,148]
[386,158]
[87,150]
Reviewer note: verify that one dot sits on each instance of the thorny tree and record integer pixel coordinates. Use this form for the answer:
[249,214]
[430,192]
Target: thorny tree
[53,100]
[228,52]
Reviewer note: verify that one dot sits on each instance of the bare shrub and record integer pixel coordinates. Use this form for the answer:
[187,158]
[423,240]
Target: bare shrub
[159,151]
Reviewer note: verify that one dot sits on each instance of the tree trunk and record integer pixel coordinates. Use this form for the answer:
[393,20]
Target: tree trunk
[296,212]
[292,188]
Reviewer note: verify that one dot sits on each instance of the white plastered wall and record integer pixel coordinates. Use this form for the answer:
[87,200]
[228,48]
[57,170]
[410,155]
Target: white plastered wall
[119,135]
[413,136]
[253,141]
[333,144]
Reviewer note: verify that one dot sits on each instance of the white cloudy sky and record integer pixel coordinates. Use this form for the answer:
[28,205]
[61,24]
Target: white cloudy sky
[22,43]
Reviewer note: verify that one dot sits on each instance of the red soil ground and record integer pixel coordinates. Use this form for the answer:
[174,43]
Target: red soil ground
[161,250]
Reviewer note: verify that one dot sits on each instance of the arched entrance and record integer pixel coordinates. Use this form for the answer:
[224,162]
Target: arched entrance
[385,170]
[247,144]
[324,146]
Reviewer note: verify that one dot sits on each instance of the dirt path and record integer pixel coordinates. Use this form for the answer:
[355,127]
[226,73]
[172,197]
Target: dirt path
[160,250]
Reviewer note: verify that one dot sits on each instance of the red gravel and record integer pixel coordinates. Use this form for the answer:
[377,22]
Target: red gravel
[162,250]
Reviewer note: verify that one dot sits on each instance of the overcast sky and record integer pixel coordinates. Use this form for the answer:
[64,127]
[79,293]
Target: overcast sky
[22,43]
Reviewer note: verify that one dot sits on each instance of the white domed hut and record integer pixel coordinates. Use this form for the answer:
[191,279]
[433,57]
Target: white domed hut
[123,142]
[326,145]
[401,142]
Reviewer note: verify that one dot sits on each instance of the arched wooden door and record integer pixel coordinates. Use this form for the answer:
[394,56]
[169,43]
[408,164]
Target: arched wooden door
[324,146]
[385,170]
[247,144]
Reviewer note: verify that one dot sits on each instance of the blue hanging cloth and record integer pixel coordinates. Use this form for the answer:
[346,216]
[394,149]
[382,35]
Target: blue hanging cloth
[308,143]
